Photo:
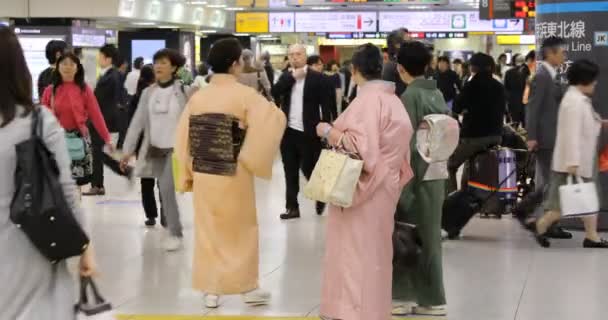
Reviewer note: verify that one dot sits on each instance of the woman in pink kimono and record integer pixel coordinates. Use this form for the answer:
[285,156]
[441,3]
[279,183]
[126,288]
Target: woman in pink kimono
[359,253]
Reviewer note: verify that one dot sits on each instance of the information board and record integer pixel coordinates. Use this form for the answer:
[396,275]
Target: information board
[251,22]
[282,22]
[455,21]
[332,21]
[355,2]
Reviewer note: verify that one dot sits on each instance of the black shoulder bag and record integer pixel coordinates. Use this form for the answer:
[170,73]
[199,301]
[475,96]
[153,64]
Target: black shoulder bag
[39,207]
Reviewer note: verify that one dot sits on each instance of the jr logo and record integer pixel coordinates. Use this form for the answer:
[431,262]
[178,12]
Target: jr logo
[601,39]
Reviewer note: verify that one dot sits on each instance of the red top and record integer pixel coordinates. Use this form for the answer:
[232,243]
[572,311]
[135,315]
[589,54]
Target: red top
[73,107]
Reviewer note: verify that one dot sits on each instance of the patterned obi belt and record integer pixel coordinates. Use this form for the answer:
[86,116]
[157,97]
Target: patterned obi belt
[215,143]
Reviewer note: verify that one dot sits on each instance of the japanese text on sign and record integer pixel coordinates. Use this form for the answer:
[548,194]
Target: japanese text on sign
[562,29]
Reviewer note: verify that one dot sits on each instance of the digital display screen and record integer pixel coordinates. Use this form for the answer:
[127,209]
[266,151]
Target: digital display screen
[146,49]
[524,9]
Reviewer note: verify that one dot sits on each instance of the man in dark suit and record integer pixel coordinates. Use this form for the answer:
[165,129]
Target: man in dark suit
[109,94]
[306,98]
[546,92]
[515,85]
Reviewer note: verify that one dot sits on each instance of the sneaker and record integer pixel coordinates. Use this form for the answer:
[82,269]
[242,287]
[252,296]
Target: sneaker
[173,243]
[212,301]
[257,297]
[401,308]
[440,311]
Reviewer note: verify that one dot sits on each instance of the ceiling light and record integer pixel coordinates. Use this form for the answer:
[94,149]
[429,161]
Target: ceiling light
[234,9]
[208,31]
[320,8]
[168,27]
[198,2]
[241,35]
[265,36]
[216,6]
[143,23]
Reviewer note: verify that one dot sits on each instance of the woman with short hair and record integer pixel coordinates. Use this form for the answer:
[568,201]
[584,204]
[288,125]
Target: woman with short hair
[254,76]
[157,115]
[359,251]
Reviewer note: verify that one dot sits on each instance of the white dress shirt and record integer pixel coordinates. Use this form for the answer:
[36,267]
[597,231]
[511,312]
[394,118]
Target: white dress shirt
[131,82]
[296,112]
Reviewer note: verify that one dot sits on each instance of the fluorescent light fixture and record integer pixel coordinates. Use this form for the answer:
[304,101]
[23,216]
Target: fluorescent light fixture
[143,23]
[216,6]
[198,2]
[320,8]
[266,36]
[168,27]
[269,39]
[208,31]
[241,34]
[234,9]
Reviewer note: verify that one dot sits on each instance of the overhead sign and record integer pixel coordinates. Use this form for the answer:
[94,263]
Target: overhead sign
[282,22]
[445,21]
[332,21]
[438,35]
[355,2]
[251,22]
[495,9]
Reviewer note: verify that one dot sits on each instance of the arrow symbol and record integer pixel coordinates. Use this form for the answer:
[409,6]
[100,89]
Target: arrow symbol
[369,21]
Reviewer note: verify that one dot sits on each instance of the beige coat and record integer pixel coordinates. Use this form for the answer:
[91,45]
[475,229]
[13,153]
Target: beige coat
[254,80]
[578,131]
[226,256]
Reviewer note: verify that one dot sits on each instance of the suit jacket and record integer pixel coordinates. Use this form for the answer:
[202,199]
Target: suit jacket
[109,95]
[515,85]
[541,113]
[319,99]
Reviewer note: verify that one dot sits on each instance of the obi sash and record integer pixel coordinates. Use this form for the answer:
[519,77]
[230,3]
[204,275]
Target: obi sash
[215,143]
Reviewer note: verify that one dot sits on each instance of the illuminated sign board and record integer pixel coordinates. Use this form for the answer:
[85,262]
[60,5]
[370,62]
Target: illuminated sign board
[524,9]
[282,22]
[445,21]
[251,22]
[332,21]
[355,2]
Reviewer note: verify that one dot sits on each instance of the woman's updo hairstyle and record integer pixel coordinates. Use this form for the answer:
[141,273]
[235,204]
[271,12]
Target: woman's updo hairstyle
[223,54]
[367,60]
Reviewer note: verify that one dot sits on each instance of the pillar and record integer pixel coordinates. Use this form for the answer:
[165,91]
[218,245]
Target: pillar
[584,26]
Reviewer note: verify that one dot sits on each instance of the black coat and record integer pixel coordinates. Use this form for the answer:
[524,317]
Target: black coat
[448,83]
[319,99]
[515,85]
[109,94]
[483,105]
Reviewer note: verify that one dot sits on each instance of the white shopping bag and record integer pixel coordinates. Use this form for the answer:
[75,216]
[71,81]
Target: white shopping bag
[578,199]
[94,306]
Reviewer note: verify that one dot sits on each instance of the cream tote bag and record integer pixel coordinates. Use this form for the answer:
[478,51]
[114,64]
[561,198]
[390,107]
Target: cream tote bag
[334,179]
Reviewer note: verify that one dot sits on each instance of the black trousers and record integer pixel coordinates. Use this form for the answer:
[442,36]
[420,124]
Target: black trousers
[518,114]
[148,198]
[299,152]
[100,158]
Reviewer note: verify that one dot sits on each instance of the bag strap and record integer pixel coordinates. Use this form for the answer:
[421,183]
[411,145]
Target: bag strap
[85,283]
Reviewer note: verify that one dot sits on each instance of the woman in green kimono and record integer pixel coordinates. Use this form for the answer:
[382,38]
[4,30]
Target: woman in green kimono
[420,290]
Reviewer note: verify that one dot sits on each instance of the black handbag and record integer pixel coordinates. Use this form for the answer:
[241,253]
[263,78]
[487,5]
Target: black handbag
[85,305]
[407,246]
[39,207]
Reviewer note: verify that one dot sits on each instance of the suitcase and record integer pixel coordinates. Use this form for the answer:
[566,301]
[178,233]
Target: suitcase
[493,179]
[458,209]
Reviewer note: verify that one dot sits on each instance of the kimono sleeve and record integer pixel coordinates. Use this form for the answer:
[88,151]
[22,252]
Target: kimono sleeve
[182,157]
[362,135]
[265,128]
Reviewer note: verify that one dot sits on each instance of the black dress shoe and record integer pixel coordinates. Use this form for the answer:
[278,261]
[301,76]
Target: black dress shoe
[320,208]
[95,192]
[291,214]
[150,222]
[602,244]
[557,232]
[542,239]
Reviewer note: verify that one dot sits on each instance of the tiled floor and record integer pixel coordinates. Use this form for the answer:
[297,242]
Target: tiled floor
[495,273]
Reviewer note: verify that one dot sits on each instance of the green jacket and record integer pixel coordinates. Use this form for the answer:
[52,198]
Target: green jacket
[421,98]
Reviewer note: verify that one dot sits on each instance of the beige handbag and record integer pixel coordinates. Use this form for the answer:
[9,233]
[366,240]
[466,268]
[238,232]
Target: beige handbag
[335,178]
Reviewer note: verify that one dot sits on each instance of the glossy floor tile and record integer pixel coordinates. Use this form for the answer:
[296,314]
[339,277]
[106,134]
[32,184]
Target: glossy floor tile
[495,272]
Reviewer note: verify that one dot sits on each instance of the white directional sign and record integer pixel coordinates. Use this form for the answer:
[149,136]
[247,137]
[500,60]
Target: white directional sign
[429,21]
[333,21]
[281,22]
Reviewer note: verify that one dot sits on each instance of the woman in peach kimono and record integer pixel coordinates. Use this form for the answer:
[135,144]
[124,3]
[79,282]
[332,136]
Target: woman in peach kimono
[228,134]
[359,252]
